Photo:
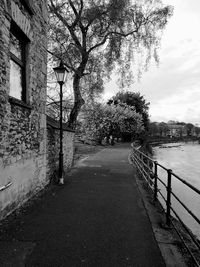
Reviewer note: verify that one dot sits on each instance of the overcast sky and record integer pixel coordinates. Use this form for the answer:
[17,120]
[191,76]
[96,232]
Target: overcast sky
[173,88]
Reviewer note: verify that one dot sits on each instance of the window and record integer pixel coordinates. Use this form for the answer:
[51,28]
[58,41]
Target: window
[28,5]
[17,64]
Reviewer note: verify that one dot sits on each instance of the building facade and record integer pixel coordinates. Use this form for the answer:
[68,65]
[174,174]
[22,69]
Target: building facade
[23,74]
[177,130]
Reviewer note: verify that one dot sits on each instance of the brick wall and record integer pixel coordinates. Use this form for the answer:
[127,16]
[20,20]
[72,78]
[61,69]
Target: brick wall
[23,125]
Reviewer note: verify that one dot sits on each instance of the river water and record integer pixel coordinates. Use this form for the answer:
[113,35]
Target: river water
[184,160]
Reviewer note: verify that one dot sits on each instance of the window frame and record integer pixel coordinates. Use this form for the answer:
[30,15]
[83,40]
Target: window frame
[23,39]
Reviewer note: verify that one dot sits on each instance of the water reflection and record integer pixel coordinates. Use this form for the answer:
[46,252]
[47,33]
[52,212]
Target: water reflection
[184,160]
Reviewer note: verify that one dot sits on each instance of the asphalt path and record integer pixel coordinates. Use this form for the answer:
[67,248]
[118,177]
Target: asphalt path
[96,219]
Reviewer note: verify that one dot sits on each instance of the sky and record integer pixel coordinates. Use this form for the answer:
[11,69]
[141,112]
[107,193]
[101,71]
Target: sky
[173,88]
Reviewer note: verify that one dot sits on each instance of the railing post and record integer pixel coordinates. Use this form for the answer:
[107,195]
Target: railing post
[168,202]
[155,180]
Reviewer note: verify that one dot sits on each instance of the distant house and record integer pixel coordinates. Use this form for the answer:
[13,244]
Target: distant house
[177,130]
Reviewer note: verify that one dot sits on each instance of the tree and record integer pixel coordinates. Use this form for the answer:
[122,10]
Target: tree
[53,109]
[93,37]
[135,100]
[163,128]
[103,120]
[189,128]
[197,130]
[153,129]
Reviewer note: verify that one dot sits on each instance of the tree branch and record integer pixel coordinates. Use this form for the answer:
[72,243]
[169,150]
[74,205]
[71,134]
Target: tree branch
[107,35]
[70,28]
[69,67]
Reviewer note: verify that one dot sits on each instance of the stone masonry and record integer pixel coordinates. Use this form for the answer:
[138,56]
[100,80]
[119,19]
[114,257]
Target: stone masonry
[53,148]
[23,125]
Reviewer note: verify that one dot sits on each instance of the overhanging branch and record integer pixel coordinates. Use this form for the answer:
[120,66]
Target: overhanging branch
[109,34]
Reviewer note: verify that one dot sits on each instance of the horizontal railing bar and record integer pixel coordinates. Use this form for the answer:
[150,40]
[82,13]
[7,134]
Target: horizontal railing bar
[144,169]
[138,159]
[162,166]
[186,183]
[2,188]
[145,165]
[138,165]
[140,152]
[143,175]
[162,182]
[175,175]
[184,243]
[191,236]
[162,196]
[188,210]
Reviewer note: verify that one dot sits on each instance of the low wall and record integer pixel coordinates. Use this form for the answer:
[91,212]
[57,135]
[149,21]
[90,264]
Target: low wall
[23,157]
[53,147]
[30,159]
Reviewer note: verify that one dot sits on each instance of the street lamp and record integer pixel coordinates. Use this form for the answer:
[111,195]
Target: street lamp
[60,73]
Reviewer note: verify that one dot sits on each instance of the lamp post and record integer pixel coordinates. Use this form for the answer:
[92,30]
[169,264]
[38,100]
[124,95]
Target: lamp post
[60,73]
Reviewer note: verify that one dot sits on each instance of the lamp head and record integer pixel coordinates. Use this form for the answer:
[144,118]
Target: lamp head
[60,72]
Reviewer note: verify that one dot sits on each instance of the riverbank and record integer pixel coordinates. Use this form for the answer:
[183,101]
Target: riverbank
[171,141]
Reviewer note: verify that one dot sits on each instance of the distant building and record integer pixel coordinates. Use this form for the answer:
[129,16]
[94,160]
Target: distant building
[177,130]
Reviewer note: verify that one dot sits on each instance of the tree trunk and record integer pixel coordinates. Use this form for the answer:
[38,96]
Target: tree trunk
[78,102]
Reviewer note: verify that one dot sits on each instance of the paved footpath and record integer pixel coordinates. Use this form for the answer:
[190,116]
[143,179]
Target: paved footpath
[97,219]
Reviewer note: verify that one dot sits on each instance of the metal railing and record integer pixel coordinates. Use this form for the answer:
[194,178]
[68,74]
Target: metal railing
[148,168]
[4,187]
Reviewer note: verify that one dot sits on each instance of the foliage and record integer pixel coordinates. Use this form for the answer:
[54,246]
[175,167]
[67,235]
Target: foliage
[153,129]
[53,109]
[163,129]
[103,120]
[135,100]
[93,37]
[189,128]
[197,130]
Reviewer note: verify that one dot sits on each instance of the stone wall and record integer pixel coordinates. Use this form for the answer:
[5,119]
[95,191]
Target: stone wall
[23,125]
[53,147]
